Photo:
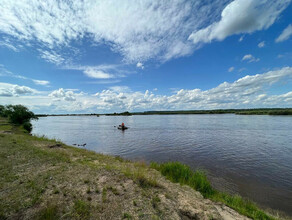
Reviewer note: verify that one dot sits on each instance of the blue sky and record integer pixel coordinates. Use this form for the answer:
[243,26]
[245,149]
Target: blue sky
[105,56]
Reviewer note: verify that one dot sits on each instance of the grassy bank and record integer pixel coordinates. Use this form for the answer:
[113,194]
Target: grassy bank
[45,179]
[180,173]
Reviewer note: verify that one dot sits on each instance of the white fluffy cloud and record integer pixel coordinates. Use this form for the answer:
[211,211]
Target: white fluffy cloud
[241,16]
[9,90]
[250,58]
[247,92]
[138,30]
[62,94]
[285,35]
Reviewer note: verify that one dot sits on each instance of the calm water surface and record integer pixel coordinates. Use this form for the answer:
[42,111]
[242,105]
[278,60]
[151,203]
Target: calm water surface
[249,155]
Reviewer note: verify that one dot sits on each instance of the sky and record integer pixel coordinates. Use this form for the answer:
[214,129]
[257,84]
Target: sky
[105,56]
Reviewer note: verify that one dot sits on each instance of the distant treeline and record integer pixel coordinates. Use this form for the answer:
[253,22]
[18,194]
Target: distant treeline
[46,115]
[287,111]
[122,114]
[257,111]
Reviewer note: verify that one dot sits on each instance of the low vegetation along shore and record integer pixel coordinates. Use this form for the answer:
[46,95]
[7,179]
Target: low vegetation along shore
[45,179]
[256,111]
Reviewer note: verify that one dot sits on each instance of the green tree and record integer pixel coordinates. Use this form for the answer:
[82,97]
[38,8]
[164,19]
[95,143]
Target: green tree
[18,114]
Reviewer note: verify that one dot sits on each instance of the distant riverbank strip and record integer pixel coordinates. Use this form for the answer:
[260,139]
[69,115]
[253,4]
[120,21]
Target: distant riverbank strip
[255,111]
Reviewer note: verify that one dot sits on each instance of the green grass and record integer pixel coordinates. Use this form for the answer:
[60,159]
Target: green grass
[140,176]
[145,182]
[5,127]
[104,195]
[180,173]
[81,209]
[48,213]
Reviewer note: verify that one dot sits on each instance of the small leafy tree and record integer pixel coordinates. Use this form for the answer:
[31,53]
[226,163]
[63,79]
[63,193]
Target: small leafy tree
[18,114]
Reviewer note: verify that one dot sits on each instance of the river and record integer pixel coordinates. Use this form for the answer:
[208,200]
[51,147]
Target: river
[243,154]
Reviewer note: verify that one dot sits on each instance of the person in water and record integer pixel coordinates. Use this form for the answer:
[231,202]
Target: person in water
[122,127]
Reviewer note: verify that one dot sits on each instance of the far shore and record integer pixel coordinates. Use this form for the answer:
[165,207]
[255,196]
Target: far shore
[255,111]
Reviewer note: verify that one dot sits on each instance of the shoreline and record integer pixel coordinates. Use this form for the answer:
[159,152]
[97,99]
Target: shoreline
[256,111]
[64,180]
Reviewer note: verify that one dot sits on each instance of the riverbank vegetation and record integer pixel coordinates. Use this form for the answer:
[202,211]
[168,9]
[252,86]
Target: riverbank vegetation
[256,111]
[180,173]
[45,179]
[19,115]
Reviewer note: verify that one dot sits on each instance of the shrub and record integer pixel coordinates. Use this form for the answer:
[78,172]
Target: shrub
[18,114]
[27,126]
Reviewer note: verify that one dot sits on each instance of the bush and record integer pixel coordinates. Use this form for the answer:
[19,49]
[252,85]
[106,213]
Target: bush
[27,126]
[17,114]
